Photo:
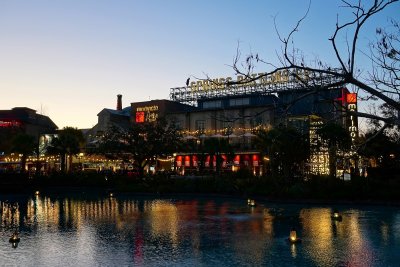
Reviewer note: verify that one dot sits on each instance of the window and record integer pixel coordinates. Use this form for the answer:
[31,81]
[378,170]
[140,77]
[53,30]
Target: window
[200,125]
[212,104]
[239,102]
[226,124]
[178,124]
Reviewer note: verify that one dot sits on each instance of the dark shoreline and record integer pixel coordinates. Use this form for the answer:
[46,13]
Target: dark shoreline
[12,190]
[317,190]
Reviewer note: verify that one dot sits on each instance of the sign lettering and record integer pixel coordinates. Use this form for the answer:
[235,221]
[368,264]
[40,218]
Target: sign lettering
[260,79]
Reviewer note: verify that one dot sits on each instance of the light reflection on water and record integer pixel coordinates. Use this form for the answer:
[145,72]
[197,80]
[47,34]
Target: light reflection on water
[142,231]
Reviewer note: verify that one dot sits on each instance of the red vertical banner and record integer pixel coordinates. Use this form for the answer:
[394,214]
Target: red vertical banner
[195,161]
[224,160]
[236,160]
[256,160]
[178,161]
[215,161]
[187,161]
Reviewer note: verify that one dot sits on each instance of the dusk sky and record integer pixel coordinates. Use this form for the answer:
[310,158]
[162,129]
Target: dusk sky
[69,59]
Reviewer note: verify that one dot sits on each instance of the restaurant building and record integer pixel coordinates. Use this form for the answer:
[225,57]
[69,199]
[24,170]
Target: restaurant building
[21,120]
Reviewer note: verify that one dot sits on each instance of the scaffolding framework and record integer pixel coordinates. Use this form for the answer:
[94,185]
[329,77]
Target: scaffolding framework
[265,86]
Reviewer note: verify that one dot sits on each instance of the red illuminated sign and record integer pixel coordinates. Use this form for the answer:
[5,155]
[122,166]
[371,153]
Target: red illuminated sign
[140,116]
[11,123]
[351,98]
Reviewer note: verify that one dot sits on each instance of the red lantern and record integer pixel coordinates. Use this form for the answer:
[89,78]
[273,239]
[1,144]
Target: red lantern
[207,162]
[178,161]
[187,161]
[195,161]
[255,160]
[224,159]
[236,160]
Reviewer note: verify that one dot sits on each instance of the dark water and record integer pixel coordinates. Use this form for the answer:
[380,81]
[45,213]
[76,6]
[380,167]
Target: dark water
[93,230]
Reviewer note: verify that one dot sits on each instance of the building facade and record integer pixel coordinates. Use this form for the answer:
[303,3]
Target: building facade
[21,120]
[27,121]
[219,120]
[235,112]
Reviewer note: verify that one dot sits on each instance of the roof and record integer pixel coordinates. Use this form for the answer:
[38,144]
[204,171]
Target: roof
[28,116]
[124,112]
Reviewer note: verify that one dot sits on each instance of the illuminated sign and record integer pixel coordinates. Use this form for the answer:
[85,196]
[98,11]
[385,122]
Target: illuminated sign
[352,106]
[147,108]
[140,116]
[146,114]
[282,76]
[11,123]
[351,98]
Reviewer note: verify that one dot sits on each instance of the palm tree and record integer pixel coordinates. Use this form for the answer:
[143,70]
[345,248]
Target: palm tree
[69,142]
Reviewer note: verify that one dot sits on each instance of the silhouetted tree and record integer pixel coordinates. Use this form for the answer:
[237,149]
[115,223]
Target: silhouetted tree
[23,144]
[337,140]
[216,147]
[382,83]
[379,148]
[286,148]
[143,142]
[68,142]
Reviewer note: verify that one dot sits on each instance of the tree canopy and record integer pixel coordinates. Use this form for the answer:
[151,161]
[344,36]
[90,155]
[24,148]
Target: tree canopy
[24,144]
[381,83]
[68,142]
[286,148]
[142,143]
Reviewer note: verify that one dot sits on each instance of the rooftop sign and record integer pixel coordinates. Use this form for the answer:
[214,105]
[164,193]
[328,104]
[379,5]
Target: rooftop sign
[282,76]
[263,83]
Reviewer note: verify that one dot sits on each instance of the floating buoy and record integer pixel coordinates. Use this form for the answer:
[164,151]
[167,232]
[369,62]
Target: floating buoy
[293,237]
[336,216]
[251,202]
[14,238]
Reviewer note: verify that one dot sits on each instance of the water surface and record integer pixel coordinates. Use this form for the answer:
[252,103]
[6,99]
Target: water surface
[127,230]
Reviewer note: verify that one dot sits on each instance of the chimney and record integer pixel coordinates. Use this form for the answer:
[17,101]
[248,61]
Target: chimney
[119,102]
